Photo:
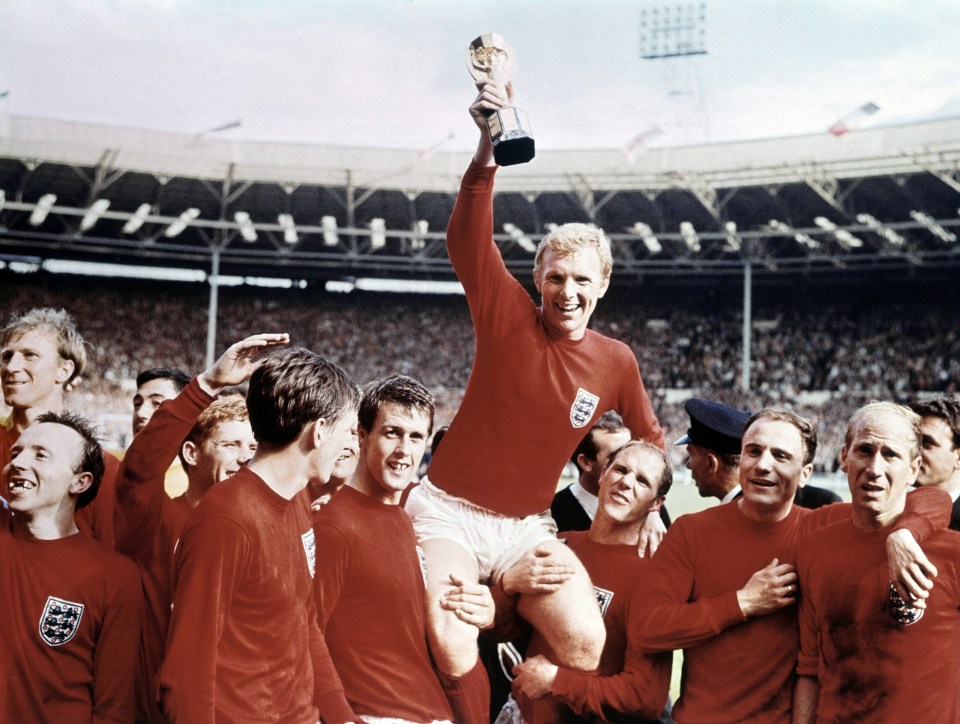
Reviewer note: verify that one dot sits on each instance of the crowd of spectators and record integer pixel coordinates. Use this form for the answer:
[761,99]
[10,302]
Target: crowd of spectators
[820,353]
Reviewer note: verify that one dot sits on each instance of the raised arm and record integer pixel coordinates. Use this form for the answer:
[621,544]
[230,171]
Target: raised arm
[235,366]
[140,480]
[927,510]
[491,95]
[635,408]
[140,483]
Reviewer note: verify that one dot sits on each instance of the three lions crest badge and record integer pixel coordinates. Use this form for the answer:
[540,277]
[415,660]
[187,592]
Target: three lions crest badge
[60,620]
[583,407]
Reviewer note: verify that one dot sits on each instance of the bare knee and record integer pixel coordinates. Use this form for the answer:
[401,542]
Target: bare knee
[580,648]
[569,618]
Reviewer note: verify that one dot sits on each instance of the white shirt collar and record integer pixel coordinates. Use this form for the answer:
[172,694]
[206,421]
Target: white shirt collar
[734,492]
[588,500]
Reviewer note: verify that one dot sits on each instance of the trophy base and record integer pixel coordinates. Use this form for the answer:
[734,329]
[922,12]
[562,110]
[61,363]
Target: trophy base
[510,133]
[511,151]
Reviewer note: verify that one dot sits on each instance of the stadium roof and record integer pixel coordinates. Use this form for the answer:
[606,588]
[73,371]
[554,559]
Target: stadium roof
[884,198]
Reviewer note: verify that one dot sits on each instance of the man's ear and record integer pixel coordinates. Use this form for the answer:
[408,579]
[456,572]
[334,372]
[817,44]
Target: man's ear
[915,469]
[713,461]
[318,432]
[81,482]
[843,458]
[604,285]
[189,452]
[65,370]
[585,462]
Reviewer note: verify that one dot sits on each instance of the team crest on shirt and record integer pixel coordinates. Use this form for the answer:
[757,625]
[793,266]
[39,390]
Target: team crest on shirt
[60,620]
[310,548]
[899,610]
[582,409]
[603,599]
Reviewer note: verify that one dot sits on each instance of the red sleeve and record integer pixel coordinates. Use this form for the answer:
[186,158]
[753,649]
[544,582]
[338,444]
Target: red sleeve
[823,516]
[470,244]
[636,410]
[333,566]
[808,660]
[140,482]
[96,518]
[492,292]
[210,559]
[329,695]
[640,690]
[668,620]
[116,657]
[927,510]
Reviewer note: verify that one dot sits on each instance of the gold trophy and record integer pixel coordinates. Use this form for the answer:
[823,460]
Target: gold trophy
[489,56]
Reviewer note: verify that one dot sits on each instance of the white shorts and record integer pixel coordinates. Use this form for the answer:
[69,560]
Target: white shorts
[495,541]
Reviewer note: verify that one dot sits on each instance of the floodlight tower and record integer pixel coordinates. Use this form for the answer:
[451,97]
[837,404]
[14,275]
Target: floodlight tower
[673,35]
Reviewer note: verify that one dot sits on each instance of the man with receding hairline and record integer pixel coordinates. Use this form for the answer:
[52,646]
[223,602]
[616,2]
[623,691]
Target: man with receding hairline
[42,357]
[630,684]
[539,380]
[726,583]
[71,607]
[866,653]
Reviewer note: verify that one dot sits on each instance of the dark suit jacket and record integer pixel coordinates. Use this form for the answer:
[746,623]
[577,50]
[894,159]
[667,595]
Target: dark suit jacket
[810,496]
[568,513]
[955,515]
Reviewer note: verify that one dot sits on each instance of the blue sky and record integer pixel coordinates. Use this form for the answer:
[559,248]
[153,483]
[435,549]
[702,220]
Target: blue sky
[392,73]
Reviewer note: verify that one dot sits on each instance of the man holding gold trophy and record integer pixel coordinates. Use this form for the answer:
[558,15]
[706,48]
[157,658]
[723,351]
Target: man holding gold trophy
[489,58]
[540,378]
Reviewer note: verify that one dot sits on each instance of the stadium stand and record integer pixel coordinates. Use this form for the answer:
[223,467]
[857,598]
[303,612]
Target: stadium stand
[820,348]
[847,246]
